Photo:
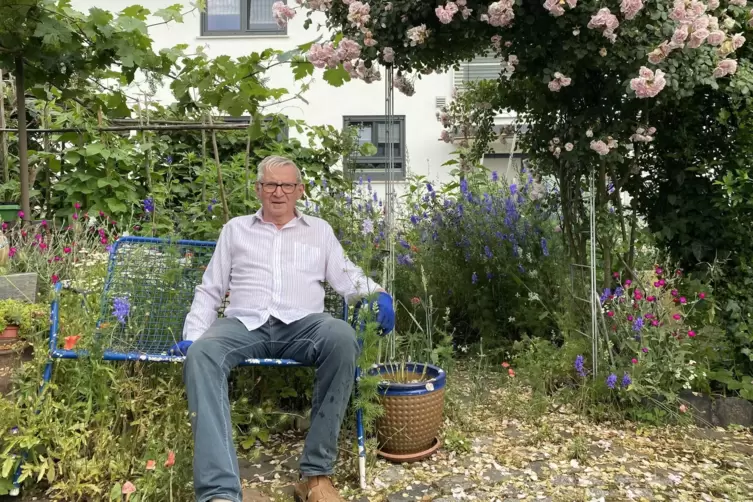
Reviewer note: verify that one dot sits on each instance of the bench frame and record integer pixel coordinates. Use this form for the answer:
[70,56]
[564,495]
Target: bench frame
[110,355]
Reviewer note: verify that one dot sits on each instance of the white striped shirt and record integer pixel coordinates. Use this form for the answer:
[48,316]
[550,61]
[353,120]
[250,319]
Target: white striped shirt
[273,272]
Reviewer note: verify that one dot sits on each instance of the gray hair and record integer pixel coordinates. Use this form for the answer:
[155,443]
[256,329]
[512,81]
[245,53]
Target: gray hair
[275,161]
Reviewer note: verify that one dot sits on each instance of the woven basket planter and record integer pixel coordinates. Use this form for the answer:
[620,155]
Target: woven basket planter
[413,411]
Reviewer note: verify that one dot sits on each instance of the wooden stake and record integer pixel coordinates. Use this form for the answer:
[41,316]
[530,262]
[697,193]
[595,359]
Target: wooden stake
[223,199]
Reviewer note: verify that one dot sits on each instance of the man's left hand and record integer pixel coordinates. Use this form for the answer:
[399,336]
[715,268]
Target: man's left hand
[386,313]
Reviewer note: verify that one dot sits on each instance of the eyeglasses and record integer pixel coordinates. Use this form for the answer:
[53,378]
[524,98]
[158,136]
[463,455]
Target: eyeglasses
[271,187]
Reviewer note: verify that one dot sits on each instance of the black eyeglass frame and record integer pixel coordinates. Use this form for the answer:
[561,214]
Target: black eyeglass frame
[266,187]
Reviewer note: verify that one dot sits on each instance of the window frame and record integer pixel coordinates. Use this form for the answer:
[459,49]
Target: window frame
[246,28]
[375,174]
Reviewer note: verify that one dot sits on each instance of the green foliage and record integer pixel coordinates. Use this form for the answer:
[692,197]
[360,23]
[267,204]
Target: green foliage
[29,317]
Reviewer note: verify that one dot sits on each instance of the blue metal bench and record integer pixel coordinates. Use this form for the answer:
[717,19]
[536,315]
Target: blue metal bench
[148,292]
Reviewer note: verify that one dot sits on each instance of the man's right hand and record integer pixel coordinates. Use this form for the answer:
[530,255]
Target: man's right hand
[180,348]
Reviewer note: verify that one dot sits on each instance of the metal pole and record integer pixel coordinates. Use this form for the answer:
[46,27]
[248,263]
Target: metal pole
[389,112]
[3,135]
[595,303]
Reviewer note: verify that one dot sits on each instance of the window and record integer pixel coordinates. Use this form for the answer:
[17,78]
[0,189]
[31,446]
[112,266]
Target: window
[373,129]
[239,17]
[479,68]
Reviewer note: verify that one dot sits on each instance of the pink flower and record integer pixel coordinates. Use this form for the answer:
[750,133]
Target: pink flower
[445,136]
[569,147]
[654,323]
[738,40]
[673,292]
[683,408]
[77,205]
[554,7]
[497,42]
[170,459]
[610,314]
[128,488]
[683,300]
[634,361]
[417,35]
[11,252]
[630,8]
[691,333]
[282,13]
[348,49]
[21,214]
[66,250]
[321,55]
[660,53]
[645,350]
[368,39]
[716,37]
[628,282]
[599,147]
[701,295]
[4,226]
[554,85]
[725,67]
[358,14]
[637,295]
[650,298]
[151,465]
[629,317]
[606,20]
[662,283]
[499,13]
[75,216]
[54,278]
[616,275]
[676,317]
[445,13]
[388,54]
[697,38]
[648,84]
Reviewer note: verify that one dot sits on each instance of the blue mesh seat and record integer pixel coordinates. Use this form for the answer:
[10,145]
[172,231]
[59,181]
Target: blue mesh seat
[148,292]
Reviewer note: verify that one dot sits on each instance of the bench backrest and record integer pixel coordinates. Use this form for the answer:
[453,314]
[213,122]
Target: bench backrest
[149,288]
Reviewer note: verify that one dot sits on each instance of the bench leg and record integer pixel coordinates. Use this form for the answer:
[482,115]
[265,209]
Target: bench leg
[360,439]
[16,490]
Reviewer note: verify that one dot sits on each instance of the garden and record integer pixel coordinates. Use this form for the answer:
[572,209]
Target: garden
[579,331]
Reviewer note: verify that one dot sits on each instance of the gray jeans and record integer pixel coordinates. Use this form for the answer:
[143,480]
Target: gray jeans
[317,340]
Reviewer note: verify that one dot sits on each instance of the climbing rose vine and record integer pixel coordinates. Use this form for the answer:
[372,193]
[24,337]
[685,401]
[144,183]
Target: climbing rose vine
[422,37]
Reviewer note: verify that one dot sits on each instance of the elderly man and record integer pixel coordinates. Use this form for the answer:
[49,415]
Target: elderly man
[274,263]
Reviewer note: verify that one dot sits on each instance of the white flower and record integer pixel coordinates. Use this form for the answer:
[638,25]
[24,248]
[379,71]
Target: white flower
[511,319]
[534,297]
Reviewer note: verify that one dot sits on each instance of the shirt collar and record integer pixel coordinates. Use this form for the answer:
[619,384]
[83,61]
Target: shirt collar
[299,216]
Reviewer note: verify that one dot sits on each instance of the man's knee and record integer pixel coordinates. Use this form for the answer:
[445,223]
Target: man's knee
[201,353]
[340,338]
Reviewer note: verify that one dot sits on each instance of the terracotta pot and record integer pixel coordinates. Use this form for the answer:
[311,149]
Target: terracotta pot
[9,334]
[413,411]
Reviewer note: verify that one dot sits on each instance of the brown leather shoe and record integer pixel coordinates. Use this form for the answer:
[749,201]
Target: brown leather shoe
[317,489]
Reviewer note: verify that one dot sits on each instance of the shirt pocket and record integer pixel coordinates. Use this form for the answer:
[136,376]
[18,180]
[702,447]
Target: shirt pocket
[308,258]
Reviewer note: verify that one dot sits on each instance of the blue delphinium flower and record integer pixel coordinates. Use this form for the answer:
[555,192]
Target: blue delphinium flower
[626,381]
[149,205]
[638,324]
[611,380]
[121,307]
[579,366]
[513,189]
[464,186]
[495,176]
[367,227]
[474,278]
[544,247]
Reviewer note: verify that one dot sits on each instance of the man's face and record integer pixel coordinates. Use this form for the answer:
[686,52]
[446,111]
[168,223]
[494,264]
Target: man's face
[278,205]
